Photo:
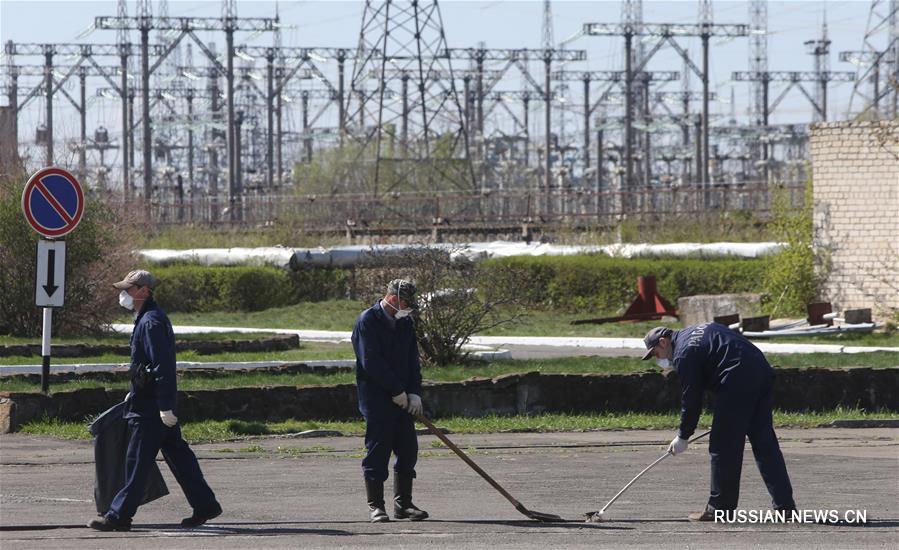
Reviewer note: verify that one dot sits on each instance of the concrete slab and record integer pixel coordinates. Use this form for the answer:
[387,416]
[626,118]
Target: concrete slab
[302,493]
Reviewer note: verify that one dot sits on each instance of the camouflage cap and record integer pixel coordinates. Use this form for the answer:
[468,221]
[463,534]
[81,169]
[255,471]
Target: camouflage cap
[138,277]
[405,289]
[652,339]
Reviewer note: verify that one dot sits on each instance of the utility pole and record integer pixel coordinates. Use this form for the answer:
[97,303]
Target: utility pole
[820,50]
[667,34]
[186,27]
[518,58]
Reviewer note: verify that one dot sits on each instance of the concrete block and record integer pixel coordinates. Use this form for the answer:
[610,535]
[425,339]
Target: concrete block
[704,308]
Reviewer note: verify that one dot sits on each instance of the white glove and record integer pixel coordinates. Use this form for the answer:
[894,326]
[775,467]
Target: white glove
[415,407]
[678,445]
[401,400]
[168,418]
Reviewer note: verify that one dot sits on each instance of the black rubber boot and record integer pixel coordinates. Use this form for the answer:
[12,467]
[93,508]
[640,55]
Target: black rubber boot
[402,499]
[374,491]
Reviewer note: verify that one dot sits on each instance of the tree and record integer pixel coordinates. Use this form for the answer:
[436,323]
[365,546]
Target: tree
[793,276]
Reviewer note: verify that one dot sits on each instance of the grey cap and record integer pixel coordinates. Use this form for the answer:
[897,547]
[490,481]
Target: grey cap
[652,339]
[405,289]
[138,277]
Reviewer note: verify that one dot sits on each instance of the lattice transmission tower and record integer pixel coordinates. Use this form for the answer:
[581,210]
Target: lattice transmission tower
[876,89]
[404,119]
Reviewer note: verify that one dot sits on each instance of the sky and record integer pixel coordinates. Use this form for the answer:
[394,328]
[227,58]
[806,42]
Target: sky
[498,24]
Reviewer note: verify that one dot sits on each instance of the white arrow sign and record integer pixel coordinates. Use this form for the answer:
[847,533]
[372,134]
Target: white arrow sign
[49,288]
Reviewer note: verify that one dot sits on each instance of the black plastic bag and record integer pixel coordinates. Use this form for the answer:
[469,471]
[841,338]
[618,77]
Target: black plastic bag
[110,432]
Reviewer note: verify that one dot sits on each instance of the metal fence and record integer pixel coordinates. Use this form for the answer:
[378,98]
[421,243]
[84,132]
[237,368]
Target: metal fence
[411,212]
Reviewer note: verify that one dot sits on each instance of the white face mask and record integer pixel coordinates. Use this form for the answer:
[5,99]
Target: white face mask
[125,300]
[664,364]
[400,313]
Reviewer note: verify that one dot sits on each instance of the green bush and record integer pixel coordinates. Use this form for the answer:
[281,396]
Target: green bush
[314,285]
[600,284]
[95,258]
[200,288]
[192,288]
[793,276]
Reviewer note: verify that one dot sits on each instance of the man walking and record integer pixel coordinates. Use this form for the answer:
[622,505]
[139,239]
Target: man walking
[388,380]
[150,411]
[712,356]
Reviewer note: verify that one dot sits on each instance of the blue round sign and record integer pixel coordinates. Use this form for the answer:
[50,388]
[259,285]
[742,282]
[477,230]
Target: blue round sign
[53,202]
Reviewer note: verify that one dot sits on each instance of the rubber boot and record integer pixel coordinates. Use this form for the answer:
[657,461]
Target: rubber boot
[402,499]
[374,491]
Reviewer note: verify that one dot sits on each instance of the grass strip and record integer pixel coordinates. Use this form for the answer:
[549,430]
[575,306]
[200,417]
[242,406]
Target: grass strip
[209,431]
[455,373]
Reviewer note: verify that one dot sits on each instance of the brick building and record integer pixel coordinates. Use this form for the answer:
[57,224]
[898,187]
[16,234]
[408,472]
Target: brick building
[855,167]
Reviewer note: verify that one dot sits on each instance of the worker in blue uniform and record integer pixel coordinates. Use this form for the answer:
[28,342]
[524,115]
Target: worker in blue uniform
[713,357]
[150,410]
[388,381]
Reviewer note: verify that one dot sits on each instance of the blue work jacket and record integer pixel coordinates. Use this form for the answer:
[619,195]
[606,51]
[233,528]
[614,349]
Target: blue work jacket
[711,356]
[387,362]
[153,344]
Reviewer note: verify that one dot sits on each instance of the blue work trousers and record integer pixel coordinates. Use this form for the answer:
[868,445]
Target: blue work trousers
[394,432]
[745,410]
[148,435]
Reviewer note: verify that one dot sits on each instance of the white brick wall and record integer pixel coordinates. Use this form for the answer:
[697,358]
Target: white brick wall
[855,166]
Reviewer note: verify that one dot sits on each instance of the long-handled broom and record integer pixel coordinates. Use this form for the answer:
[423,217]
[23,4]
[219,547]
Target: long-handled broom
[597,517]
[539,516]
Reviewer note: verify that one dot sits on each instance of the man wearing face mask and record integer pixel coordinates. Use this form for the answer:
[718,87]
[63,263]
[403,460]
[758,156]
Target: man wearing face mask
[714,357]
[150,411]
[388,380]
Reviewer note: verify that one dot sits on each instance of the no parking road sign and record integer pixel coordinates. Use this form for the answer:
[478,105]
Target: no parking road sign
[53,202]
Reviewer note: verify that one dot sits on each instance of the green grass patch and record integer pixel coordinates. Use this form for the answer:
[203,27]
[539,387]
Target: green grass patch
[341,314]
[455,373]
[223,430]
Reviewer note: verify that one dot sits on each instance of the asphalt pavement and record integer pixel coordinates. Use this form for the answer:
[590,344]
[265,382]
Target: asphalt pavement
[286,492]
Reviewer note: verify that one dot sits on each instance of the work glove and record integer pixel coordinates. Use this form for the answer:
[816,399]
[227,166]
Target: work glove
[415,408]
[168,418]
[401,400]
[678,445]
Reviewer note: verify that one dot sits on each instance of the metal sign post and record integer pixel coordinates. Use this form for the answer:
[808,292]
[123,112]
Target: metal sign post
[53,204]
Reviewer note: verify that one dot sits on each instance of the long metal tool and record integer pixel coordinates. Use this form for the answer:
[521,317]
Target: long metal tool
[539,516]
[596,517]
